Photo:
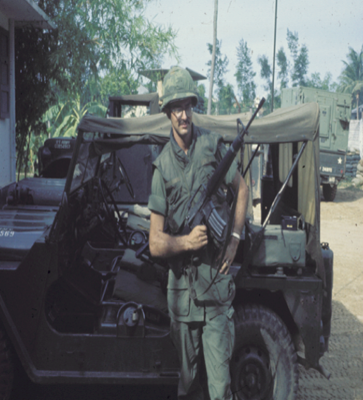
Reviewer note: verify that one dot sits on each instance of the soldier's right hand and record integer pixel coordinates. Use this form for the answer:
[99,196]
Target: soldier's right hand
[197,238]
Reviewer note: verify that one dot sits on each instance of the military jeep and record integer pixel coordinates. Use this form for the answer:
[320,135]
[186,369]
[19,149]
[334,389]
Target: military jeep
[82,301]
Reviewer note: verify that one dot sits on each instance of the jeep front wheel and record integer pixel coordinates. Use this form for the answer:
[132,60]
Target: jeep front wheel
[264,363]
[6,367]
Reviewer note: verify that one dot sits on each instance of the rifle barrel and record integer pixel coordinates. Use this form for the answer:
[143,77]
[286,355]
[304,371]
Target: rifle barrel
[223,167]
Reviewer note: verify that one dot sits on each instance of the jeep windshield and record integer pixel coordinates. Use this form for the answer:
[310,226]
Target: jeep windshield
[84,166]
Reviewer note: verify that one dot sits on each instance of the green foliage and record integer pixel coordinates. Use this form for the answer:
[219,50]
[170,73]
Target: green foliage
[227,100]
[96,51]
[224,91]
[265,72]
[63,119]
[202,98]
[200,87]
[283,68]
[245,75]
[293,43]
[97,36]
[317,82]
[116,83]
[299,54]
[220,68]
[34,73]
[300,63]
[351,79]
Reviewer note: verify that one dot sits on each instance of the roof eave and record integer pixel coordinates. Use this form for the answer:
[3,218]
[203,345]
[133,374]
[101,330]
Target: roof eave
[26,13]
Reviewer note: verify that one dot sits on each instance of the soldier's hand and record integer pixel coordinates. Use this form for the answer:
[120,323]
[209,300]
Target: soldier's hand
[229,255]
[197,238]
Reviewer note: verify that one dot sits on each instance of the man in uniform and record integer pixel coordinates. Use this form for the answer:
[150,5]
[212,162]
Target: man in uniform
[199,296]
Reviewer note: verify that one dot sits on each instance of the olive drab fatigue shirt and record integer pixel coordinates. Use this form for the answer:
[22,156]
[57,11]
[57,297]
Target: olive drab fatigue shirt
[177,176]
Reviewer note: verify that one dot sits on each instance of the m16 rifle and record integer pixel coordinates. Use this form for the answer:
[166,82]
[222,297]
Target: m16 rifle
[204,211]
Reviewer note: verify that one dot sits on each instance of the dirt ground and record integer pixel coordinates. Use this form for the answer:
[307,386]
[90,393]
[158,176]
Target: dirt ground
[342,228]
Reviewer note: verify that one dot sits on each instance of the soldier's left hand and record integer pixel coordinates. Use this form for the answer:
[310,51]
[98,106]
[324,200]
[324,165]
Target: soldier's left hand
[229,255]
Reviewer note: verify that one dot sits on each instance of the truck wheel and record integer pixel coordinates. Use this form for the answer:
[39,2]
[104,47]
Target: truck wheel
[6,367]
[329,192]
[264,363]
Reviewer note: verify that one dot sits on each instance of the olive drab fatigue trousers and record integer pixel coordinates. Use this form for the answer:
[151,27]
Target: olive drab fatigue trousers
[213,338]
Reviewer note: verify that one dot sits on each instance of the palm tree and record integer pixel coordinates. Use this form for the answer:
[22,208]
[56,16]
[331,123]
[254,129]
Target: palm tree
[351,79]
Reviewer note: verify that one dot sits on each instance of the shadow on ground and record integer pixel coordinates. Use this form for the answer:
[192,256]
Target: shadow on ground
[344,361]
[31,391]
[346,195]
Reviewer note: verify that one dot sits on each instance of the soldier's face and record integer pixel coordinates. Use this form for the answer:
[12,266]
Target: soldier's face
[181,116]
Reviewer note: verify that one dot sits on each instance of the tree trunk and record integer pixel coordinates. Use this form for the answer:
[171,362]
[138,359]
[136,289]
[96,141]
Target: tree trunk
[357,105]
[213,56]
[238,105]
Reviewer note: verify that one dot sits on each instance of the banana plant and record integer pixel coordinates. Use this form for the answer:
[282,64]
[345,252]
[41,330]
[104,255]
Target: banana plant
[62,119]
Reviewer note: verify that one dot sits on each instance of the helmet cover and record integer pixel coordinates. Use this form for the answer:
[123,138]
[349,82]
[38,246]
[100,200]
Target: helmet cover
[178,85]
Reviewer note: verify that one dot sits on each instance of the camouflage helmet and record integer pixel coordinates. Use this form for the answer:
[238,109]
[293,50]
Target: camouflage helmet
[178,85]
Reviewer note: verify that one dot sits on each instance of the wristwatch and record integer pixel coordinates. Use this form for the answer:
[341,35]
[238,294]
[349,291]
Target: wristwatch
[236,235]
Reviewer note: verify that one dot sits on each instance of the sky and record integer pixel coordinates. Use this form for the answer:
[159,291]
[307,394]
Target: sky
[327,27]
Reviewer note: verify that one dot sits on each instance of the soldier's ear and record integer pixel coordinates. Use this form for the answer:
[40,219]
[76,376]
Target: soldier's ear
[168,112]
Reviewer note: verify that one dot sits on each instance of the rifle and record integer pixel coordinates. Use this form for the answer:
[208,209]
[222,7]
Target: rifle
[204,211]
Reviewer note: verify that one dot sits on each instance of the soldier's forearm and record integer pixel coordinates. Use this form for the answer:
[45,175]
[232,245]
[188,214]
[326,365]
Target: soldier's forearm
[241,206]
[163,245]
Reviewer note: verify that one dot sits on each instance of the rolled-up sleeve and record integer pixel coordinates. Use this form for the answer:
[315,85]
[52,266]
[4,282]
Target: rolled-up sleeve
[157,199]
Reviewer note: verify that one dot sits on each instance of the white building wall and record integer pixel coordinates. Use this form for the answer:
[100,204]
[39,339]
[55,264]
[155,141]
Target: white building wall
[20,12]
[5,146]
[5,142]
[355,141]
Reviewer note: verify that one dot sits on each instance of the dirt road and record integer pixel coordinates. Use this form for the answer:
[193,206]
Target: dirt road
[342,228]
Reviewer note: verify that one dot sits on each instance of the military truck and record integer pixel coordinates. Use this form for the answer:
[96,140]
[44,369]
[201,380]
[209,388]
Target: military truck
[335,111]
[82,301]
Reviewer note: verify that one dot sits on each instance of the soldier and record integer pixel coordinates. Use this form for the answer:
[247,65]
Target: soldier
[201,320]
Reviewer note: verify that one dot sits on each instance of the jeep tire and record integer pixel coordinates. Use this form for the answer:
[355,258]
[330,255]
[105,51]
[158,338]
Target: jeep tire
[264,363]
